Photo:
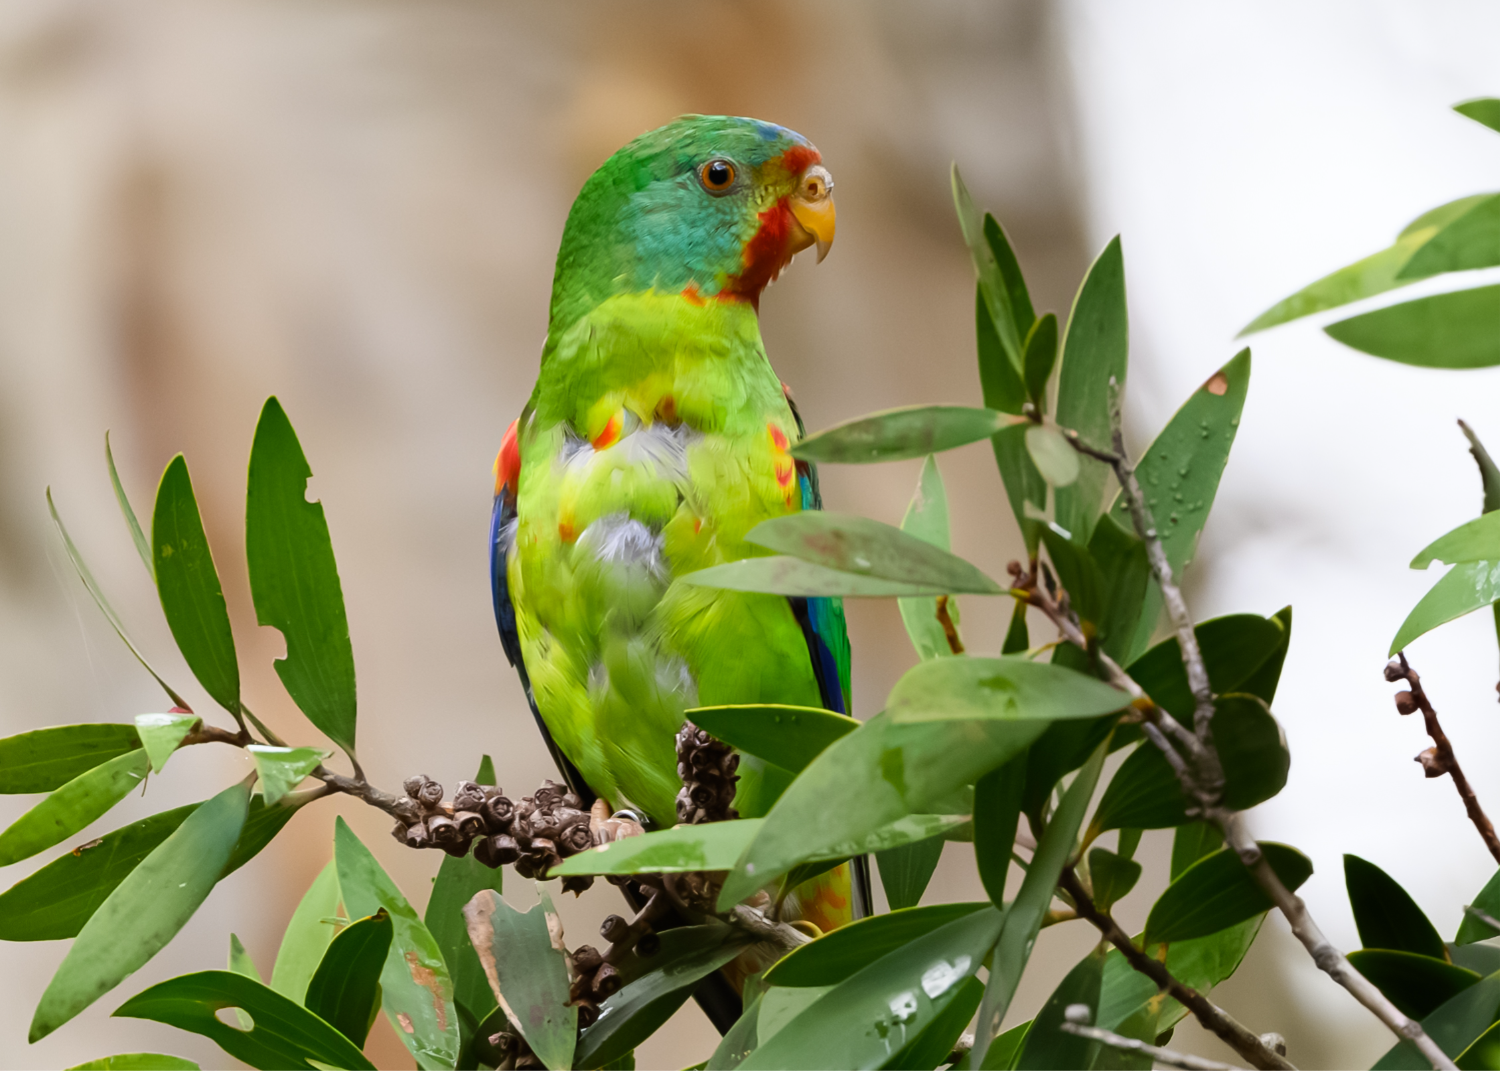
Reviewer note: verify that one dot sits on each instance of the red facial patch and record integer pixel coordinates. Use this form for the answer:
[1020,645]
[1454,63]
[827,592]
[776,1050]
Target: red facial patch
[799,157]
[508,461]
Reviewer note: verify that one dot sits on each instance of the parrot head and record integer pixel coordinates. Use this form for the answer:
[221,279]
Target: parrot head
[709,206]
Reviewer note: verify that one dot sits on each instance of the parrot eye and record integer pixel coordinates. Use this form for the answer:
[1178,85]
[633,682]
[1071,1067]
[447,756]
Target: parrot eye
[716,175]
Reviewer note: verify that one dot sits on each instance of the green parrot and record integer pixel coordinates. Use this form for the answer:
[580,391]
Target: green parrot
[657,436]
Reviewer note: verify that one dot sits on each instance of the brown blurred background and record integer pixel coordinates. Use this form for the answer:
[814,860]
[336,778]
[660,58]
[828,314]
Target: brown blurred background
[354,205]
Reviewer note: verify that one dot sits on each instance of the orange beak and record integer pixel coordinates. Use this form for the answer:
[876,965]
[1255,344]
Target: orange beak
[812,208]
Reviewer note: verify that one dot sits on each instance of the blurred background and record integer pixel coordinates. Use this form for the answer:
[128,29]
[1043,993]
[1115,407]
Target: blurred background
[355,204]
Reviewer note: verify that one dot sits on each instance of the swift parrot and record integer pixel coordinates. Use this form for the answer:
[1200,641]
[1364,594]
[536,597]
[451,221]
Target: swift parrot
[656,437]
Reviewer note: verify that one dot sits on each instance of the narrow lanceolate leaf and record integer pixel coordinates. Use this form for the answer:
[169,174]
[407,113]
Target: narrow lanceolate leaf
[188,584]
[1485,110]
[1046,1044]
[881,772]
[1219,891]
[782,574]
[906,871]
[1040,357]
[73,806]
[840,953]
[785,736]
[295,581]
[995,281]
[87,576]
[927,518]
[871,1016]
[1467,587]
[1095,349]
[46,759]
[997,813]
[1452,330]
[146,910]
[142,544]
[161,734]
[1005,688]
[137,1061]
[345,989]
[1468,242]
[284,1035]
[527,972]
[1180,472]
[854,544]
[241,963]
[282,769]
[1478,540]
[417,991]
[457,881]
[1024,919]
[1385,913]
[630,1016]
[898,434]
[931,1046]
[307,936]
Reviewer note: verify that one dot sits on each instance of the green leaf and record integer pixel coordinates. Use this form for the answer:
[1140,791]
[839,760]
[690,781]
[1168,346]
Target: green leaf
[927,518]
[1451,330]
[137,1061]
[142,544]
[284,1035]
[1484,1054]
[997,813]
[785,736]
[1468,242]
[458,879]
[1052,455]
[784,575]
[46,759]
[1146,794]
[874,1013]
[1095,350]
[345,989]
[1466,587]
[1454,1026]
[1024,486]
[295,581]
[1418,985]
[1489,472]
[1125,575]
[1066,745]
[1017,637]
[906,871]
[1179,474]
[1040,355]
[1000,380]
[1202,963]
[282,769]
[630,1016]
[189,587]
[1024,919]
[1142,1026]
[1477,540]
[161,734]
[881,772]
[527,972]
[1484,110]
[998,689]
[1234,647]
[1488,901]
[1191,842]
[87,576]
[1218,891]
[146,910]
[1113,877]
[1021,312]
[241,963]
[898,434]
[997,280]
[1046,1045]
[1386,915]
[743,1036]
[417,992]
[1263,681]
[931,1047]
[839,954]
[1481,959]
[73,806]
[307,936]
[859,545]
[1006,1048]
[54,903]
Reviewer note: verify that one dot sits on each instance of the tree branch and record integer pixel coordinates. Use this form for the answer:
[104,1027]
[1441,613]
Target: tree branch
[1157,1054]
[1440,759]
[1224,1026]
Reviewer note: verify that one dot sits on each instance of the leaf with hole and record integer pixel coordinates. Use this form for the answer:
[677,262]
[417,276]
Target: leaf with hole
[145,910]
[294,579]
[1219,891]
[1386,915]
[899,434]
[527,972]
[785,736]
[73,806]
[188,584]
[284,1035]
[1452,330]
[345,989]
[46,759]
[1477,540]
[1417,985]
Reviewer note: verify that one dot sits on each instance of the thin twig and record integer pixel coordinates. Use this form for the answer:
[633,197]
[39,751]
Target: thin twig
[1155,1052]
[1441,760]
[1202,775]
[950,629]
[1233,1033]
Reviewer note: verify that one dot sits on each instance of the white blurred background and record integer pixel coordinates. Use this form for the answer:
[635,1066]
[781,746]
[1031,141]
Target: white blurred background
[355,205]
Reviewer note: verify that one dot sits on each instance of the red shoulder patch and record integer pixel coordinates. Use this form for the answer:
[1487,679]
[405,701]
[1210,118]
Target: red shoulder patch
[508,461]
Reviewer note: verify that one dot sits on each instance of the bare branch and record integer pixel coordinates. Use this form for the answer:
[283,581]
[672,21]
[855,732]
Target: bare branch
[1155,1052]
